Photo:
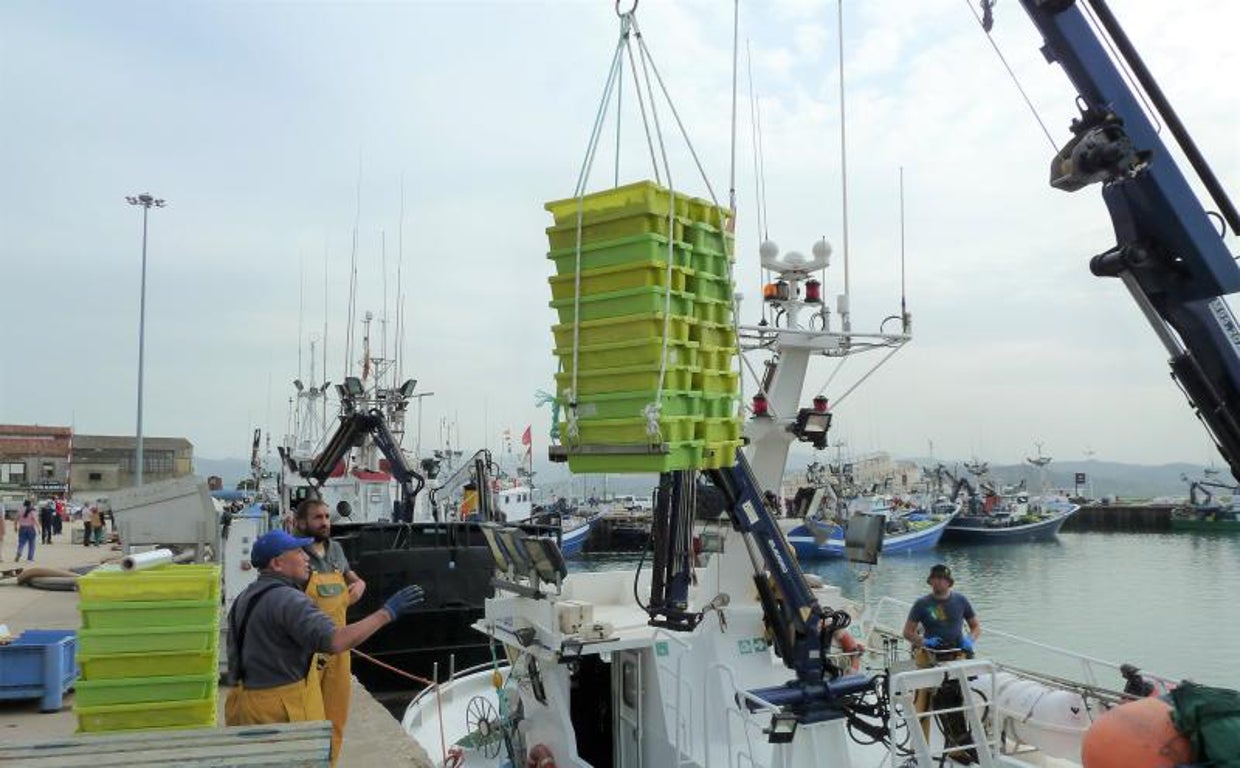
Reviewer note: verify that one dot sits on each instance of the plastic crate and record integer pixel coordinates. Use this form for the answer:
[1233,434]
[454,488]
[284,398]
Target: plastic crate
[641,195]
[169,582]
[619,278]
[630,250]
[718,383]
[710,263]
[686,455]
[632,431]
[626,328]
[188,713]
[716,406]
[702,235]
[714,335]
[711,288]
[707,212]
[124,665]
[720,455]
[138,690]
[622,405]
[100,642]
[716,358]
[627,302]
[625,353]
[624,224]
[39,664]
[711,311]
[628,379]
[169,613]
[718,430]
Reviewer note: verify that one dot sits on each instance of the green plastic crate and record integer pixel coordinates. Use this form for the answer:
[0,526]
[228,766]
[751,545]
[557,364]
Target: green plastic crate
[711,311]
[710,263]
[716,358]
[632,431]
[631,301]
[706,212]
[720,455]
[643,325]
[619,278]
[687,455]
[168,613]
[620,252]
[620,354]
[628,379]
[718,383]
[624,224]
[628,405]
[124,665]
[168,582]
[101,642]
[702,235]
[642,195]
[718,430]
[189,713]
[138,690]
[716,406]
[711,288]
[714,335]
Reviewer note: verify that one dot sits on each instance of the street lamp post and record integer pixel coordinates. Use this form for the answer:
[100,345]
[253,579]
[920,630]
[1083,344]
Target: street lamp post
[146,201]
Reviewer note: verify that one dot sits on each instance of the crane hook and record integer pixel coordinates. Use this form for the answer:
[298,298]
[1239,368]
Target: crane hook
[629,12]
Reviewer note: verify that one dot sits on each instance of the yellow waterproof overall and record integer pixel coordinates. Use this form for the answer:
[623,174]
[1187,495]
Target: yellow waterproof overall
[293,702]
[331,593]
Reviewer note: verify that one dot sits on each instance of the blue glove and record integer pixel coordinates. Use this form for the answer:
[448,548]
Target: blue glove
[966,644]
[932,642]
[404,601]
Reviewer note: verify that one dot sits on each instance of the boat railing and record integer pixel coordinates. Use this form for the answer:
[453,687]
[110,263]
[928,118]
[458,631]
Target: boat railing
[682,702]
[740,714]
[1091,667]
[981,719]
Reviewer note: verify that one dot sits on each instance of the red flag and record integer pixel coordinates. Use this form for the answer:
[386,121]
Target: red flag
[526,437]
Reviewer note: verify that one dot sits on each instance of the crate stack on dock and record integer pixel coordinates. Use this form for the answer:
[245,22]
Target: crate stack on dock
[148,648]
[620,306]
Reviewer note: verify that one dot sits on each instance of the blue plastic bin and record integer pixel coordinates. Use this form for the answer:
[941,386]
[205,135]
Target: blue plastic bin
[39,664]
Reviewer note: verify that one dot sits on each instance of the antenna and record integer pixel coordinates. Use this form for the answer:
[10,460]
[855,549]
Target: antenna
[736,22]
[846,313]
[903,302]
[400,284]
[357,219]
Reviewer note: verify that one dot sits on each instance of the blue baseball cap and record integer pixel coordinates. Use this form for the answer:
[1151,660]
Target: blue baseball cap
[273,544]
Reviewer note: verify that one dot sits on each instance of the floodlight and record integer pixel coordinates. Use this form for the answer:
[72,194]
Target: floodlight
[353,386]
[497,552]
[406,389]
[514,547]
[298,385]
[783,727]
[863,538]
[547,558]
[811,426]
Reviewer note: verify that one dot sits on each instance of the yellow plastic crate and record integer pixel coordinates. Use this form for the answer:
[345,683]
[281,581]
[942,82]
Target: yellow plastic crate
[645,195]
[707,262]
[720,455]
[711,311]
[627,379]
[630,301]
[687,455]
[718,406]
[619,432]
[633,250]
[706,212]
[126,665]
[169,582]
[118,614]
[188,713]
[716,358]
[714,335]
[623,224]
[137,690]
[100,642]
[620,354]
[718,430]
[626,328]
[711,288]
[620,277]
[630,405]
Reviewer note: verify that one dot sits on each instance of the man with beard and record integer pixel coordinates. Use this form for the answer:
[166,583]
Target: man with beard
[333,586]
[277,636]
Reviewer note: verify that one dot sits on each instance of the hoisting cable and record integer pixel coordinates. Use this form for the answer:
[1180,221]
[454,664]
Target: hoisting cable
[757,183]
[986,21]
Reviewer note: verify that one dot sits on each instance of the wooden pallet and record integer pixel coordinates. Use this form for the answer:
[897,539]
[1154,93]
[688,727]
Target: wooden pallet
[244,746]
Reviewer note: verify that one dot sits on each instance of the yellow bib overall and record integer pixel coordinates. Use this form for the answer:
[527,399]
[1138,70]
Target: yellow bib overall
[293,702]
[331,593]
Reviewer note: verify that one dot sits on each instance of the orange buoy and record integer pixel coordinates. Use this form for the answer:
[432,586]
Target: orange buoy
[1136,734]
[849,645]
[540,757]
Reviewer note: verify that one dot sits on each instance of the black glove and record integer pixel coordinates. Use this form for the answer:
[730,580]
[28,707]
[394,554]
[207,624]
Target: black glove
[404,601]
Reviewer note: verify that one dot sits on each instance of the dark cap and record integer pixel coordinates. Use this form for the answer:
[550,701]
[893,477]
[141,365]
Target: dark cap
[943,571]
[272,544]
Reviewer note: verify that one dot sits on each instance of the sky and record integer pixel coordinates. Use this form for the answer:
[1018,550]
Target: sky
[264,125]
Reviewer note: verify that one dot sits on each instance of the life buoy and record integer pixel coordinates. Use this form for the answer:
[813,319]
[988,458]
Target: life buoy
[850,645]
[540,757]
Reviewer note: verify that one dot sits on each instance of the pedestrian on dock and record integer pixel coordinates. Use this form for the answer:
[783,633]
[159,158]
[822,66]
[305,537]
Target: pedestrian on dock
[25,525]
[333,587]
[4,519]
[88,536]
[96,525]
[277,637]
[942,616]
[47,510]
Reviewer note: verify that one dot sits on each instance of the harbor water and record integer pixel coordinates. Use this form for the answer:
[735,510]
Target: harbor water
[1165,602]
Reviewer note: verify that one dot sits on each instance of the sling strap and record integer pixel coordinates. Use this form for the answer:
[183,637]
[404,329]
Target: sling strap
[245,620]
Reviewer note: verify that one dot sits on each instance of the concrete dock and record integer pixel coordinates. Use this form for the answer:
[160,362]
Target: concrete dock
[372,737]
[1121,517]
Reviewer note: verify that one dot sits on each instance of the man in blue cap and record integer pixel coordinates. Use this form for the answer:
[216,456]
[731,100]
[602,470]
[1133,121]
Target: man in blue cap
[276,635]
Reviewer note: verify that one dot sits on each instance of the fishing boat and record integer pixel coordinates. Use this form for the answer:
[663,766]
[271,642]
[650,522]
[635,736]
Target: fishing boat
[1001,516]
[1204,513]
[821,534]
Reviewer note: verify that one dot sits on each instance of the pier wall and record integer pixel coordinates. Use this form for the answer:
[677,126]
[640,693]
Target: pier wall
[1120,517]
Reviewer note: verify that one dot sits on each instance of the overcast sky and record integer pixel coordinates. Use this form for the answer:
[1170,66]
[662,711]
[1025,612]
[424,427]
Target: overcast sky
[251,120]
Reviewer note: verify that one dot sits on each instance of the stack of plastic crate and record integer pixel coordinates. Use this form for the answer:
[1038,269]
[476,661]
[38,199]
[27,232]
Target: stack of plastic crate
[148,648]
[620,306]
